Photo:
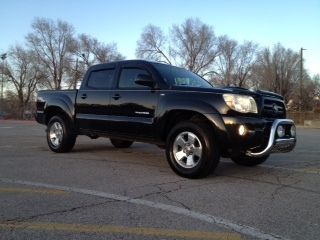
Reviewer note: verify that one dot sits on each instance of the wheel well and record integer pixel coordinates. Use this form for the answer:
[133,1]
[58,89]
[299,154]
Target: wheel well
[54,111]
[175,117]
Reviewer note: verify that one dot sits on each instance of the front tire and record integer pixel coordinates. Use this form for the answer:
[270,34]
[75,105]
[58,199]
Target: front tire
[191,150]
[60,135]
[249,161]
[120,143]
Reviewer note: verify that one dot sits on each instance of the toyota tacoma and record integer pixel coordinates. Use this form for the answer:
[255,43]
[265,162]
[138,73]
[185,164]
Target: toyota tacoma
[195,122]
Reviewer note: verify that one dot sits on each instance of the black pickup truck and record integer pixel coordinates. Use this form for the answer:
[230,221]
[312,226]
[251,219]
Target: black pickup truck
[151,102]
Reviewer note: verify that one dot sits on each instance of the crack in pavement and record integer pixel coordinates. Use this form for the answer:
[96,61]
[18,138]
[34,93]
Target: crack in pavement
[164,194]
[68,210]
[161,192]
[225,223]
[159,184]
[278,189]
[282,186]
[272,183]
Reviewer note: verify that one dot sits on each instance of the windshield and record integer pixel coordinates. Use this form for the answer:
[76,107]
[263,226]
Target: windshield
[175,76]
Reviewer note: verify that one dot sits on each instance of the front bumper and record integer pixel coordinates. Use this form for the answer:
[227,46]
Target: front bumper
[259,140]
[276,144]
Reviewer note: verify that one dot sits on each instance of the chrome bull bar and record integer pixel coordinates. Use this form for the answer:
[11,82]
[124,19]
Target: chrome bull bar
[276,144]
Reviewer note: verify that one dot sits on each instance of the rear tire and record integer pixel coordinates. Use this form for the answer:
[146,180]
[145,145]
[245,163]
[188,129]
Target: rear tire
[191,150]
[249,161]
[60,135]
[120,143]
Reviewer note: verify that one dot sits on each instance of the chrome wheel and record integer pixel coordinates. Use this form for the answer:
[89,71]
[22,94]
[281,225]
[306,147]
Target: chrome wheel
[56,134]
[187,150]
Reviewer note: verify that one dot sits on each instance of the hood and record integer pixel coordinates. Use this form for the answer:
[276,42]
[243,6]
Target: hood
[239,90]
[235,90]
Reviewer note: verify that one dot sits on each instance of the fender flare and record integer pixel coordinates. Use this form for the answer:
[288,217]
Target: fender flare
[198,106]
[63,103]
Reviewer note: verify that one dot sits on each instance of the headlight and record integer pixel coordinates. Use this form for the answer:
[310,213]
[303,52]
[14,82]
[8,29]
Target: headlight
[240,103]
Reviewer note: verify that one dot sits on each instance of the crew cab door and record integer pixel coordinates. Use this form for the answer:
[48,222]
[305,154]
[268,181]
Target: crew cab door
[133,106]
[93,100]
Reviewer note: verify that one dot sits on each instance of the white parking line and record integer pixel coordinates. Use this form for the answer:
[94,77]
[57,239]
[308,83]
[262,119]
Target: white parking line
[6,127]
[243,229]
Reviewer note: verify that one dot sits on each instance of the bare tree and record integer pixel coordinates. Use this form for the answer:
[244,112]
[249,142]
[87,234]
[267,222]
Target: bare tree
[245,60]
[52,41]
[3,57]
[316,80]
[226,61]
[24,74]
[235,62]
[194,45]
[92,51]
[152,45]
[87,51]
[277,70]
[309,93]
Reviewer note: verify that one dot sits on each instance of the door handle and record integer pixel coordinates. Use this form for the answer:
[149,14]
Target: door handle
[116,96]
[84,96]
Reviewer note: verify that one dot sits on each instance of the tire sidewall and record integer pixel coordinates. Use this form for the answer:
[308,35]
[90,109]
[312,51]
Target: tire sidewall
[59,148]
[208,152]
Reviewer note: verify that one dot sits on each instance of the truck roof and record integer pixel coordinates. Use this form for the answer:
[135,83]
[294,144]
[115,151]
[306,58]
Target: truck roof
[114,63]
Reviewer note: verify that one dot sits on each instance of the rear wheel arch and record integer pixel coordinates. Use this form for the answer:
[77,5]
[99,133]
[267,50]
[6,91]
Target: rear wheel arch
[52,111]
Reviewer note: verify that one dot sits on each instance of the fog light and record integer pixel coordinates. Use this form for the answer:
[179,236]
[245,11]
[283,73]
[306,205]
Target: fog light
[293,131]
[280,131]
[242,130]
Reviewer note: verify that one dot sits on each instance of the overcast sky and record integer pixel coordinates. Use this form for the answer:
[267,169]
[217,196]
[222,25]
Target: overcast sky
[293,23]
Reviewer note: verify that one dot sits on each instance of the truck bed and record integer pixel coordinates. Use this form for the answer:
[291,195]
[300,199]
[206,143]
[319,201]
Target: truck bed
[46,98]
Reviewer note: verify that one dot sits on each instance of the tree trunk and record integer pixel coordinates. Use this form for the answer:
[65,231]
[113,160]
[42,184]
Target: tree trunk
[21,111]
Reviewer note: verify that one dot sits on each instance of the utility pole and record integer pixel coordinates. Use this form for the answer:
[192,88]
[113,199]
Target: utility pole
[301,78]
[76,75]
[3,57]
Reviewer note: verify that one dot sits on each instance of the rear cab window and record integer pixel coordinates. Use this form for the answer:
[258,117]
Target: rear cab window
[101,79]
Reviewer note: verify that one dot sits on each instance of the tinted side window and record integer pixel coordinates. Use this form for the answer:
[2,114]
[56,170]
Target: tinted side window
[129,75]
[181,77]
[101,79]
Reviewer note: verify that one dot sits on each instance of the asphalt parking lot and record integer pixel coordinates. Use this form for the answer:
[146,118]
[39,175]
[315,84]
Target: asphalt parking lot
[100,192]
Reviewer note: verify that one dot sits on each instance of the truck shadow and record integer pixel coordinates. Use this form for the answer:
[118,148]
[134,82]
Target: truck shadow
[150,155]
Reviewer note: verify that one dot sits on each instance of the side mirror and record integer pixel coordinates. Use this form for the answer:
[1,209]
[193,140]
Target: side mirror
[145,80]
